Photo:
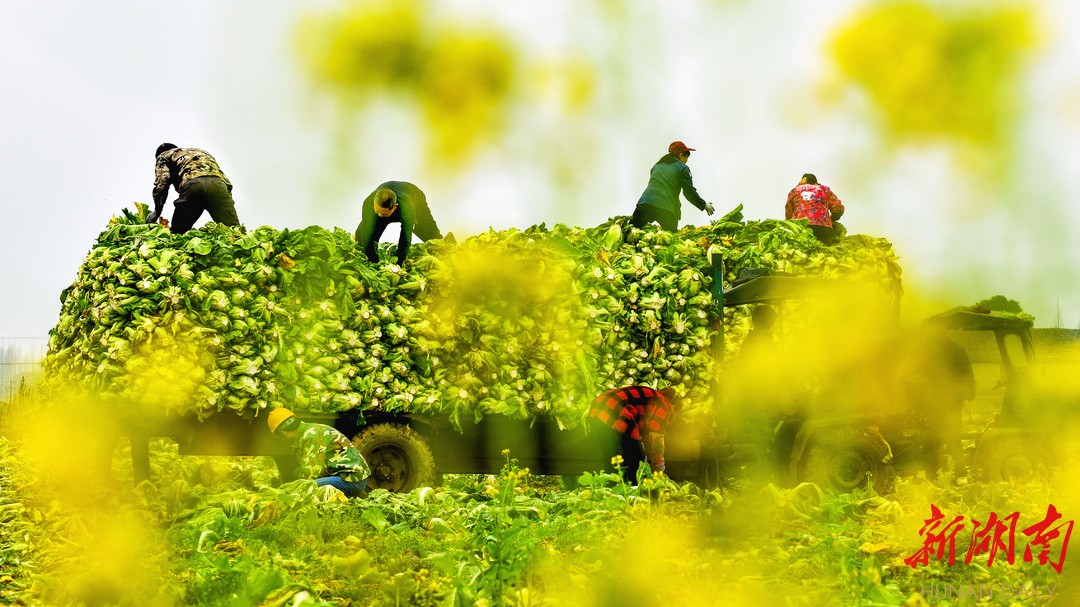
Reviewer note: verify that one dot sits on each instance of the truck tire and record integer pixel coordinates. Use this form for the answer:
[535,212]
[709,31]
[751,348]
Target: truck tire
[1010,458]
[844,459]
[400,459]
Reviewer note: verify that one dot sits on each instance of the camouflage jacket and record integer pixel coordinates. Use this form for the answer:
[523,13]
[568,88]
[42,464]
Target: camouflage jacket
[178,165]
[323,451]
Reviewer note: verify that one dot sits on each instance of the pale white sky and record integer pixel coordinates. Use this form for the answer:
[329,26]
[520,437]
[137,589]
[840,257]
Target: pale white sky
[90,89]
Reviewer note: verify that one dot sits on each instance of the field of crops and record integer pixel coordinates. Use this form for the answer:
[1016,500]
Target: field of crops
[221,531]
[521,323]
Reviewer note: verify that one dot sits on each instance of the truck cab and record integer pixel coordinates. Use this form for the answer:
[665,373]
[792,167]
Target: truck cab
[814,429]
[1015,439]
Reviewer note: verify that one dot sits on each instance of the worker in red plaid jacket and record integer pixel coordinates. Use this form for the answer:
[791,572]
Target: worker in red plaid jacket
[640,415]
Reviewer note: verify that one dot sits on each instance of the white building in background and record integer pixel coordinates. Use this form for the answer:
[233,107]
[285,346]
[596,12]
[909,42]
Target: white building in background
[20,363]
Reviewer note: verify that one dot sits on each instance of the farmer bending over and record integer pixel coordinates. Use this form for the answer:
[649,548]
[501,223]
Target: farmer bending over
[200,184]
[325,454]
[640,415]
[392,201]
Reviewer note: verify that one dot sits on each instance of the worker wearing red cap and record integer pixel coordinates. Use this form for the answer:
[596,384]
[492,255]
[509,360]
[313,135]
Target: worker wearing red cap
[660,200]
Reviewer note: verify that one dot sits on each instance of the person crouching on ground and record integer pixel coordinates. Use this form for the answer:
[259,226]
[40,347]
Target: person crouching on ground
[325,455]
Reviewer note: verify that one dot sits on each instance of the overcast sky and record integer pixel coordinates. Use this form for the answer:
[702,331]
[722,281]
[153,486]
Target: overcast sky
[90,89]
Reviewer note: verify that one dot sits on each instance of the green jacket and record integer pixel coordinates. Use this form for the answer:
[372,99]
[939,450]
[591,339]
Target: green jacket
[668,177]
[323,451]
[412,211]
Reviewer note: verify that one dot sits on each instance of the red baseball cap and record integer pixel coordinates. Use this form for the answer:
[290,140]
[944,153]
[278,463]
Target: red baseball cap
[678,147]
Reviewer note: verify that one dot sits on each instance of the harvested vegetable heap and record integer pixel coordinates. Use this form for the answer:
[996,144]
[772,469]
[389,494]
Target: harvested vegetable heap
[522,323]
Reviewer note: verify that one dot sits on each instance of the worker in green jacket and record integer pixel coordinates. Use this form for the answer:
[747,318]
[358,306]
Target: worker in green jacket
[395,201]
[660,200]
[325,455]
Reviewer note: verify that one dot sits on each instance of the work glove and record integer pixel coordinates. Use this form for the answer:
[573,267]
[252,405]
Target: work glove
[153,217]
[709,208]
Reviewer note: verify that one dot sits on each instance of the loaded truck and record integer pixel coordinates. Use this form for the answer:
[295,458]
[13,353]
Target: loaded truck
[498,342]
[838,447]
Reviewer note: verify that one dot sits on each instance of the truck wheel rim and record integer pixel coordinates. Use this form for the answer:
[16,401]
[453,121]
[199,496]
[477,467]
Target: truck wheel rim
[389,466]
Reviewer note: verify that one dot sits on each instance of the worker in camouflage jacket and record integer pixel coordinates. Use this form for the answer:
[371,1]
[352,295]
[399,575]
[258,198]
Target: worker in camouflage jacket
[325,455]
[817,204]
[660,200]
[395,201]
[200,184]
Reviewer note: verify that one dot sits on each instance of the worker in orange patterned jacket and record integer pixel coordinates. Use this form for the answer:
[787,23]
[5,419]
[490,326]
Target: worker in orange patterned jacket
[816,203]
[640,415]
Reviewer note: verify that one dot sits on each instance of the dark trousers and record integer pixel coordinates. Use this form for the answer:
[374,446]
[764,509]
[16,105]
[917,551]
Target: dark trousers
[615,443]
[209,194]
[632,454]
[824,233]
[646,213]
